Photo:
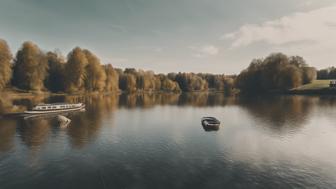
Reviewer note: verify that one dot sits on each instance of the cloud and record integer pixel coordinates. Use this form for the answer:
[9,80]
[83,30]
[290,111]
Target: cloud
[210,50]
[317,26]
[203,51]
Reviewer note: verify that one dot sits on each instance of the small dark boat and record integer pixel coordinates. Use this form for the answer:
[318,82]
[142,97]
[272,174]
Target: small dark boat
[210,121]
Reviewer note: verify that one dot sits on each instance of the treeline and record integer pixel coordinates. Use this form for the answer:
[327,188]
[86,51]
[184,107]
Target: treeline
[275,73]
[132,80]
[327,73]
[81,71]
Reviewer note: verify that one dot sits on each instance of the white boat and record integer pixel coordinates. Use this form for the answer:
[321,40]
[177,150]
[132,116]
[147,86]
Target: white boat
[54,108]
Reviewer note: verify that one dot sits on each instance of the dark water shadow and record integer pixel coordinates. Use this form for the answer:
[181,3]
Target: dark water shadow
[280,113]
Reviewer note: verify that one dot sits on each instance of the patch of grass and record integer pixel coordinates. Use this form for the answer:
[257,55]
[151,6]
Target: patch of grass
[315,85]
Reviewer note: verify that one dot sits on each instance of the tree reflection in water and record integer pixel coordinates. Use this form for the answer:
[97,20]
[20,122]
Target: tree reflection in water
[7,133]
[280,112]
[276,113]
[34,132]
[148,100]
[85,126]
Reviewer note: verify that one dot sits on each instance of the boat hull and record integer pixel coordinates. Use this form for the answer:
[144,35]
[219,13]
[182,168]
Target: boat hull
[210,124]
[210,128]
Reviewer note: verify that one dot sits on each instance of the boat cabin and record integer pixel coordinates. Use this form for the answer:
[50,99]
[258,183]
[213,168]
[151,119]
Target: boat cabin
[56,106]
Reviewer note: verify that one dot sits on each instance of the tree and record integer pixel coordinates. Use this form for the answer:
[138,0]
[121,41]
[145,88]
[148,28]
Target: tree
[270,70]
[127,82]
[55,80]
[275,72]
[157,82]
[30,67]
[309,74]
[112,79]
[145,80]
[5,64]
[168,85]
[291,77]
[75,70]
[298,61]
[328,73]
[228,86]
[95,73]
[191,82]
[249,80]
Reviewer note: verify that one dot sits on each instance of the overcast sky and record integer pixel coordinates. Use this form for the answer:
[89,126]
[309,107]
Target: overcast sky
[217,36]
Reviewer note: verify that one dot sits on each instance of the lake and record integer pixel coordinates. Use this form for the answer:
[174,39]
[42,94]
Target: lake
[157,141]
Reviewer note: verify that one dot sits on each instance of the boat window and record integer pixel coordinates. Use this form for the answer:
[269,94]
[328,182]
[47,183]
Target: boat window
[54,107]
[43,107]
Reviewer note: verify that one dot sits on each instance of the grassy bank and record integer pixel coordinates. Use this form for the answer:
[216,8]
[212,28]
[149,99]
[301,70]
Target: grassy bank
[316,87]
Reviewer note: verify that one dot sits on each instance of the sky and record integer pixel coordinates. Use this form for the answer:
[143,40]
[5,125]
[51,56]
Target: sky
[212,36]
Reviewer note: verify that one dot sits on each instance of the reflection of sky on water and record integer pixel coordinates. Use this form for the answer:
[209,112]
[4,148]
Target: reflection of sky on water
[276,141]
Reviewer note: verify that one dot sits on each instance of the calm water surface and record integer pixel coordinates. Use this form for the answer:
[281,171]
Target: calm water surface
[157,141]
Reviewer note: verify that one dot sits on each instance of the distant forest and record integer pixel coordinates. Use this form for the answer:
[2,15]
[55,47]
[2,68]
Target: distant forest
[81,71]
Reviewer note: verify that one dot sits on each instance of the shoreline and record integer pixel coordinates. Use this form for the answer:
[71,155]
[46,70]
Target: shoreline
[17,95]
[322,91]
[21,93]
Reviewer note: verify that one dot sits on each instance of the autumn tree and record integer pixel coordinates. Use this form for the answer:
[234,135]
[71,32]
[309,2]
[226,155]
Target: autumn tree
[5,64]
[75,70]
[309,74]
[157,82]
[276,72]
[30,67]
[95,73]
[55,81]
[228,86]
[145,80]
[119,71]
[131,71]
[191,82]
[112,79]
[127,82]
[215,82]
[168,85]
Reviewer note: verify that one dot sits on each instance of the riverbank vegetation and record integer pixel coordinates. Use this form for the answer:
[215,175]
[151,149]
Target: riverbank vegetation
[327,73]
[34,70]
[277,72]
[81,71]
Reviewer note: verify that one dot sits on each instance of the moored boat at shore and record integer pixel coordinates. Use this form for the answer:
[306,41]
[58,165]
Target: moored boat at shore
[54,108]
